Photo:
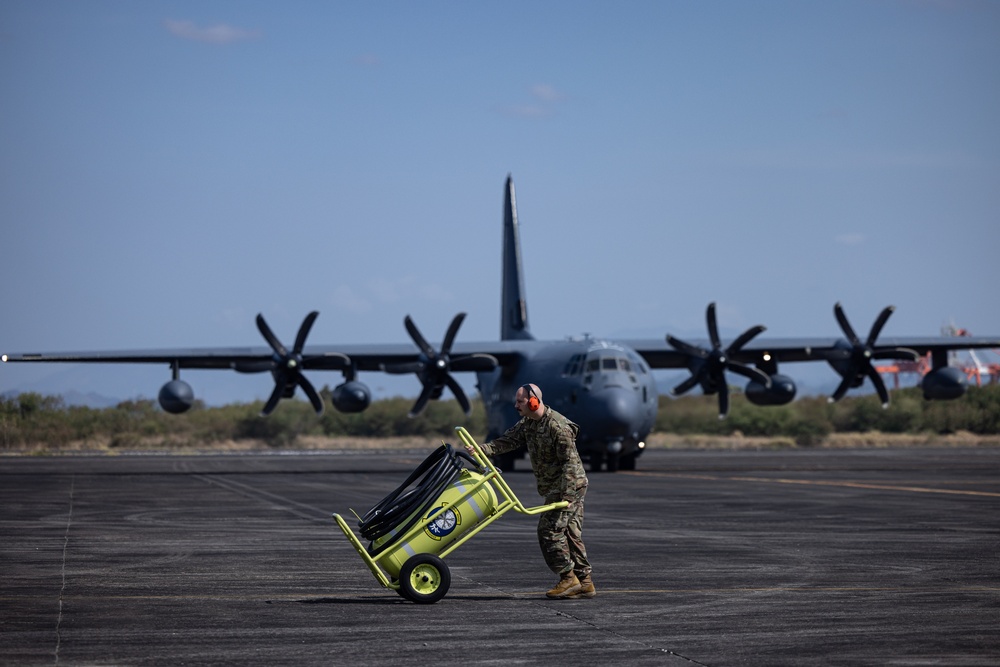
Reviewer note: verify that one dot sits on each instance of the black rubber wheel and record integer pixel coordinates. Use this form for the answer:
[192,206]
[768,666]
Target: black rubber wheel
[424,579]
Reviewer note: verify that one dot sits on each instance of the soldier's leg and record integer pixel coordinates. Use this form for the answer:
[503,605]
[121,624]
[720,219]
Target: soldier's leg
[574,541]
[552,538]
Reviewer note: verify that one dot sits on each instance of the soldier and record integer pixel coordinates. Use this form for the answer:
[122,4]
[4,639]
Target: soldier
[551,442]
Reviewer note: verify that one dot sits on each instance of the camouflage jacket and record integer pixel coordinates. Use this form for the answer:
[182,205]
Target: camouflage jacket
[551,443]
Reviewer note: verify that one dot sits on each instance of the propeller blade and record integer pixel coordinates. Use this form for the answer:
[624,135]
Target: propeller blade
[287,366]
[418,338]
[723,401]
[460,396]
[845,326]
[399,369]
[713,327]
[421,403]
[897,353]
[749,372]
[856,363]
[300,339]
[880,389]
[745,338]
[331,361]
[269,336]
[475,362]
[449,337]
[841,388]
[434,367]
[685,386]
[708,367]
[880,321]
[253,366]
[310,391]
[272,402]
[686,348]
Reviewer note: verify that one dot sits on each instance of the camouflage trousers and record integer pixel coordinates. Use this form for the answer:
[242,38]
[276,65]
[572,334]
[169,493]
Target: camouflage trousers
[560,537]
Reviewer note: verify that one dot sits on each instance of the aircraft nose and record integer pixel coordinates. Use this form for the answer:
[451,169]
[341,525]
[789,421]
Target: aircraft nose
[618,409]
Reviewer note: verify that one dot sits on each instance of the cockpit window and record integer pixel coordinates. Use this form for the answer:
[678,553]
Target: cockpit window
[595,364]
[574,366]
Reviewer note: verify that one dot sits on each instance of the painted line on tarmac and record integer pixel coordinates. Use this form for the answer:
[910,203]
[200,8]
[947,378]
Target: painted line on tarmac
[866,485]
[308,512]
[807,482]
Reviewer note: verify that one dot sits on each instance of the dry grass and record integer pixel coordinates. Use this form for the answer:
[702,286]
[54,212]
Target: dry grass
[870,440]
[103,446]
[737,441]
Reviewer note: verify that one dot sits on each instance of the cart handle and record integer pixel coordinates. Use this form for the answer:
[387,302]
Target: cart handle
[494,474]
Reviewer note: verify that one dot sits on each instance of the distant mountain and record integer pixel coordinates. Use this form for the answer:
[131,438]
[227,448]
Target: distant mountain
[89,400]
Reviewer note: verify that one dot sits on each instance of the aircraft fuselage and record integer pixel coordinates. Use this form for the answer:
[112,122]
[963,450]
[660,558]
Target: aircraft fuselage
[605,387]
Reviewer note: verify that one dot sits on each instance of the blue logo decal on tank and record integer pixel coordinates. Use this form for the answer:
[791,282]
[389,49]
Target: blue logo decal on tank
[446,522]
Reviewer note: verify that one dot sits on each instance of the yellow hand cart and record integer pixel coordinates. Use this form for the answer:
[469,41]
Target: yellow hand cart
[410,560]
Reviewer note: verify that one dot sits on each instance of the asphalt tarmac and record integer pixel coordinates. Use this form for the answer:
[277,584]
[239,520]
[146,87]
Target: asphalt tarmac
[856,557]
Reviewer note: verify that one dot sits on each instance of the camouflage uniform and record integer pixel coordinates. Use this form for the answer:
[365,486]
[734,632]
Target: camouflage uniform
[551,443]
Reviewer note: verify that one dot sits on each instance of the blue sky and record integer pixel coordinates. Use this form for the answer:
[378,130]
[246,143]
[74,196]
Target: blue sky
[170,169]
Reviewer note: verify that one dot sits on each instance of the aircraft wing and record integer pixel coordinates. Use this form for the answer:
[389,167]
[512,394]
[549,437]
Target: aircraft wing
[432,366]
[372,357]
[850,357]
[660,354]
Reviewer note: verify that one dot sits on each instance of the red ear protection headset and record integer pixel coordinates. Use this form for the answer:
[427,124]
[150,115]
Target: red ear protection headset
[533,401]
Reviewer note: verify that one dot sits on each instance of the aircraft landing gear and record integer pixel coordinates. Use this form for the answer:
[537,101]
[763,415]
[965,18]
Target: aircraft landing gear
[615,461]
[598,459]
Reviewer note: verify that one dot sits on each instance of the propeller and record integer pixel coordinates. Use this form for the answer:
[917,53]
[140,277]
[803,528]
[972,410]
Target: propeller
[855,362]
[708,366]
[434,367]
[287,366]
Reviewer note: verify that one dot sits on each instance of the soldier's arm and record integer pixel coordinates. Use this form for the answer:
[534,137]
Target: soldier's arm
[509,441]
[565,443]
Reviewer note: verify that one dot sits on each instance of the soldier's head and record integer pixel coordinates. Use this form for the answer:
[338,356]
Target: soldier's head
[528,401]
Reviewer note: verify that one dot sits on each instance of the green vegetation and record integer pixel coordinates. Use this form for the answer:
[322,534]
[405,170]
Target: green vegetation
[810,420]
[32,420]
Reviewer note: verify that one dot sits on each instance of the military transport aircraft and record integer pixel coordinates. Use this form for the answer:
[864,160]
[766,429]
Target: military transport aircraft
[606,387]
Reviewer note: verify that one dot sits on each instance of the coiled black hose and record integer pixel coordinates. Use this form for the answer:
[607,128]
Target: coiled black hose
[428,481]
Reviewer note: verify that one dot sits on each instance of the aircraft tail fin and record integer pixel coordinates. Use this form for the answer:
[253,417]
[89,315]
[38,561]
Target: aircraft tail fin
[514,307]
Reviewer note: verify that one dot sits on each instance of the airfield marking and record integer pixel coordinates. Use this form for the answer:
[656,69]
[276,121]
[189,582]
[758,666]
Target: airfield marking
[280,502]
[804,482]
[65,550]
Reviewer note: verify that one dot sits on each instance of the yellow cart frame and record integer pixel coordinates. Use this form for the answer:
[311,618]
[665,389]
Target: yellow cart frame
[424,578]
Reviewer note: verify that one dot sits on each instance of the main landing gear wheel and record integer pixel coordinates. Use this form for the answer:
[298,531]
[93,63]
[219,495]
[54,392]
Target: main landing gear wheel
[424,579]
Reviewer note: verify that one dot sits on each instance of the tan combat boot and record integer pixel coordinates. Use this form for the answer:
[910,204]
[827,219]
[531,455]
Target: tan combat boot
[585,590]
[567,583]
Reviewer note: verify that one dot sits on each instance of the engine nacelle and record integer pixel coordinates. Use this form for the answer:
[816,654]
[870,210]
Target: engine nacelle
[781,391]
[944,384]
[176,397]
[351,396]
[844,366]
